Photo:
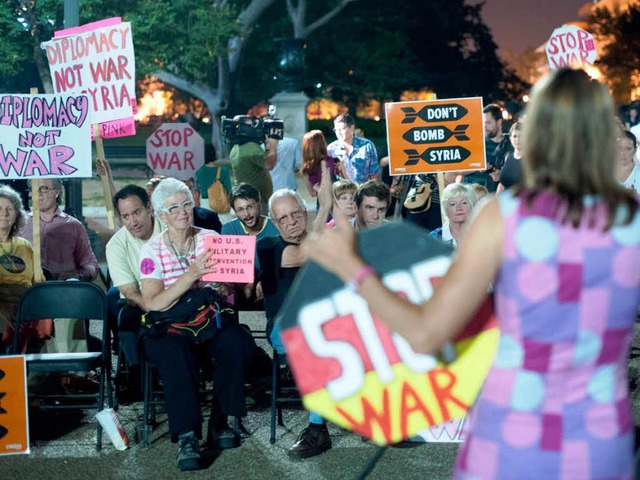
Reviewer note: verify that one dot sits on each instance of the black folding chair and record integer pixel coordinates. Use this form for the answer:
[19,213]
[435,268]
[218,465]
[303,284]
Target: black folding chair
[82,300]
[281,393]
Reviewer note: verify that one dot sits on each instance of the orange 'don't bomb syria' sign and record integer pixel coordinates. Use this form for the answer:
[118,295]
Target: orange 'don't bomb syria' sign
[14,420]
[431,136]
[356,373]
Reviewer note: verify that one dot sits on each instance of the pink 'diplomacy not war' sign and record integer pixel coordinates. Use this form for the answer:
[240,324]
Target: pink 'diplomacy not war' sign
[235,255]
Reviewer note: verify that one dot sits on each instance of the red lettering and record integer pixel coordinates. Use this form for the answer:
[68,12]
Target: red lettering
[188,161]
[553,47]
[188,132]
[106,102]
[443,393]
[67,78]
[582,38]
[156,139]
[123,62]
[174,161]
[157,160]
[371,417]
[94,93]
[411,403]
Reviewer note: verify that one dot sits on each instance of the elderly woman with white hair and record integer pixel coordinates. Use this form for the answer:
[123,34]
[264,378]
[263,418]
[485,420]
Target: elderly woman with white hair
[172,265]
[457,201]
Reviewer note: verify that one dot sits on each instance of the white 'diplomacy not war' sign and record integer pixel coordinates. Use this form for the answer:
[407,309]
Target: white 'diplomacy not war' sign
[99,63]
[45,136]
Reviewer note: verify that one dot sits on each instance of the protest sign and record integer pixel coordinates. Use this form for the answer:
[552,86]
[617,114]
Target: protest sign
[98,60]
[44,136]
[449,432]
[175,150]
[14,418]
[235,255]
[351,369]
[570,46]
[430,136]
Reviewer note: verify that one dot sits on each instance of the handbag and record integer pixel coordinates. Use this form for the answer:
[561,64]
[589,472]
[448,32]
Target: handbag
[419,198]
[217,194]
[198,315]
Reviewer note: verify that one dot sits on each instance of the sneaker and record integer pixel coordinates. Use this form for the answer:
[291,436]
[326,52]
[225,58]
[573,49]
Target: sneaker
[224,438]
[188,452]
[312,441]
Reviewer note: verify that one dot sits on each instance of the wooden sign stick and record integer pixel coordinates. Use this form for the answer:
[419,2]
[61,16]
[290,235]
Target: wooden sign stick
[441,185]
[104,178]
[35,202]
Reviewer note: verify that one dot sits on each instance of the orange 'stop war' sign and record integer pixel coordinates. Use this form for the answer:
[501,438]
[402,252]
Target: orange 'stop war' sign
[359,375]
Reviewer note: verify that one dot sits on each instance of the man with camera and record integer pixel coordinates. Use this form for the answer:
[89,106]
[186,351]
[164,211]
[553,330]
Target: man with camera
[251,161]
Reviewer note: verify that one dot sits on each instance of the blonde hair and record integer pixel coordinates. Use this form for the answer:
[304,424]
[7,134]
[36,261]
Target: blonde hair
[569,144]
[341,187]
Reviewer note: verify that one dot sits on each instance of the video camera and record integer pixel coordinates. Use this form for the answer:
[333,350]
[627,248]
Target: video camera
[252,129]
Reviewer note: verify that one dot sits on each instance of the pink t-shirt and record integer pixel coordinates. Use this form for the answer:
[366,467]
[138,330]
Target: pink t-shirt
[159,262]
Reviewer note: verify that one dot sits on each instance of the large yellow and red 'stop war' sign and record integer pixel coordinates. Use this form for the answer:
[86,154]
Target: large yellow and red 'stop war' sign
[356,373]
[431,136]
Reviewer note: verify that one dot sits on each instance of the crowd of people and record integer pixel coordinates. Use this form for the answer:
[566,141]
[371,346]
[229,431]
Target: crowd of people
[550,227]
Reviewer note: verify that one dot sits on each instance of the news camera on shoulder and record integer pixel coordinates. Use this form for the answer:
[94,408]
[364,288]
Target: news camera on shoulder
[244,128]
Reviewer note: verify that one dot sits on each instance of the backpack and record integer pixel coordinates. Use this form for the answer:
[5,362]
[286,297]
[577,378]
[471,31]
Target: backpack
[218,197]
[419,198]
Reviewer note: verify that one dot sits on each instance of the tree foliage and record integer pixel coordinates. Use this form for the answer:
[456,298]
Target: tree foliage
[183,36]
[221,50]
[618,32]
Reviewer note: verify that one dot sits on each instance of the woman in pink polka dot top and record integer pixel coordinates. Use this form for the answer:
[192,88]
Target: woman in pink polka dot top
[563,252]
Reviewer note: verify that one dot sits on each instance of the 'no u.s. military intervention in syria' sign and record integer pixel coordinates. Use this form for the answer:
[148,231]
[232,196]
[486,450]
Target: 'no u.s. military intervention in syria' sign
[435,136]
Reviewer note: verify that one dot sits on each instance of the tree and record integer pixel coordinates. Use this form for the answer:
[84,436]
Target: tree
[618,34]
[23,26]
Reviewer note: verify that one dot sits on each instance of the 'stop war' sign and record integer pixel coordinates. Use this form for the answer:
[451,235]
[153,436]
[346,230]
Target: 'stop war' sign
[175,150]
[570,46]
[351,369]
[435,136]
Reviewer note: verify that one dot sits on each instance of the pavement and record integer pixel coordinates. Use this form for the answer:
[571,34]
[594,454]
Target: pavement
[63,447]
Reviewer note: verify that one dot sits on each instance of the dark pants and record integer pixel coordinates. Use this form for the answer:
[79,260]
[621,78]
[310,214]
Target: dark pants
[124,322]
[176,357]
[129,326]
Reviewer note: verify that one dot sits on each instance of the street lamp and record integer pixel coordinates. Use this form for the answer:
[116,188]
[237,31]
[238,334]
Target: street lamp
[73,187]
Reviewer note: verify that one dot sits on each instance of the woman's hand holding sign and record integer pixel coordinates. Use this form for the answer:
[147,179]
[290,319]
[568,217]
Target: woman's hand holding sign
[202,265]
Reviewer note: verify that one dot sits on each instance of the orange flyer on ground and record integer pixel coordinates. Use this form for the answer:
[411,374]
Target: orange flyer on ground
[14,420]
[430,136]
[236,258]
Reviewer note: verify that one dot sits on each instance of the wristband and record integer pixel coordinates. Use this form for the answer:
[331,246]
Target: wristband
[361,275]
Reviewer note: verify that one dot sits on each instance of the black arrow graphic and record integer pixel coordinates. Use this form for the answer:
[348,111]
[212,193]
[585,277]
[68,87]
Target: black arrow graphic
[437,155]
[448,112]
[439,134]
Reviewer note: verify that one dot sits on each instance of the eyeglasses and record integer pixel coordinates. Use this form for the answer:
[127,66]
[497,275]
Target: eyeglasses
[251,206]
[174,209]
[285,220]
[44,189]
